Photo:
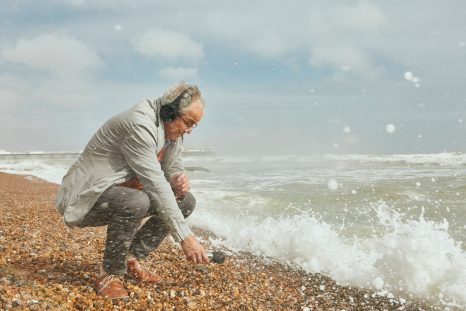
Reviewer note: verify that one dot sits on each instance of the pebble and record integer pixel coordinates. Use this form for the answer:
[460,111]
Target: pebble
[202,269]
[27,297]
[56,269]
[172,293]
[16,303]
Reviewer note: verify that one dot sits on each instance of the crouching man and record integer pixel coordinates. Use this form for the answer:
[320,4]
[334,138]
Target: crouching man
[129,170]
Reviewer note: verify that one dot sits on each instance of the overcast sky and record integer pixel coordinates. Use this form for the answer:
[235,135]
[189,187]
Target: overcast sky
[279,77]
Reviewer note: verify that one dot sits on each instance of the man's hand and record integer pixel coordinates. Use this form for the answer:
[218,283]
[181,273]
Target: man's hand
[194,250]
[180,184]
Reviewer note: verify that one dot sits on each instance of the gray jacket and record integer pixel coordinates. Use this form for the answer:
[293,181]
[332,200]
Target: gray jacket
[124,147]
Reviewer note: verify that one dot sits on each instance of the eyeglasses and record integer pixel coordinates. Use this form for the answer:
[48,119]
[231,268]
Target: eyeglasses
[189,123]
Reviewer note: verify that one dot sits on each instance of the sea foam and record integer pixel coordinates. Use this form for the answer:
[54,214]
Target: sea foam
[51,172]
[441,159]
[410,258]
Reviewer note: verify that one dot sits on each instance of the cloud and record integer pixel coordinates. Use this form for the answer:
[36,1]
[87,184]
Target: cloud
[363,16]
[317,27]
[100,4]
[55,53]
[169,46]
[66,93]
[343,58]
[237,27]
[270,46]
[179,73]
[29,98]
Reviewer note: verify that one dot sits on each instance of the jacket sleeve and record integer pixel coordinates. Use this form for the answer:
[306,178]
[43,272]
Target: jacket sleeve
[139,150]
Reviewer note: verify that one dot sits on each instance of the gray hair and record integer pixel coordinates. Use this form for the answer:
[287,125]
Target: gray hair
[190,93]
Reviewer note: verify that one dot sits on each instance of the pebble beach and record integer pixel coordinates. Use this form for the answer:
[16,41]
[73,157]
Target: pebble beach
[45,265]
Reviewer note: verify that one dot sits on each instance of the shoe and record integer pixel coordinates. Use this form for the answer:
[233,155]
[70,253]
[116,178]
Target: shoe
[141,275]
[110,286]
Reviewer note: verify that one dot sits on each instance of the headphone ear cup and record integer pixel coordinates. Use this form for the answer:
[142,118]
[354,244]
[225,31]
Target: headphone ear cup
[167,113]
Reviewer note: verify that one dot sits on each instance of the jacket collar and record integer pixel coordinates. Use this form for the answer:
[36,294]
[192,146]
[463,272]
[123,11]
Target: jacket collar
[156,104]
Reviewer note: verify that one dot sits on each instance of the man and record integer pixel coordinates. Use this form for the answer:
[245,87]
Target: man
[130,169]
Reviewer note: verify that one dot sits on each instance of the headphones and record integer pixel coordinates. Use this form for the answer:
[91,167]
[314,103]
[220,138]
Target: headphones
[171,111]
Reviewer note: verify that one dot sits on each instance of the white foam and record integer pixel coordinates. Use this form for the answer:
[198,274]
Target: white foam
[442,159]
[51,173]
[238,159]
[416,196]
[418,256]
[278,158]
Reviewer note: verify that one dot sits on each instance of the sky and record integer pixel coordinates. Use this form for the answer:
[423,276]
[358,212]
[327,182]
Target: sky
[278,77]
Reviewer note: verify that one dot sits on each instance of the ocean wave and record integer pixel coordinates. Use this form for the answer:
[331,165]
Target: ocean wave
[442,159]
[415,257]
[49,172]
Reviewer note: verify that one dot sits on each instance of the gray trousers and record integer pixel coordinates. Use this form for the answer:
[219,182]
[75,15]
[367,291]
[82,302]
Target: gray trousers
[122,209]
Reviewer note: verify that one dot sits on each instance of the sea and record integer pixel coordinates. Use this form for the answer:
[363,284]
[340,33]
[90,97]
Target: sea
[395,224]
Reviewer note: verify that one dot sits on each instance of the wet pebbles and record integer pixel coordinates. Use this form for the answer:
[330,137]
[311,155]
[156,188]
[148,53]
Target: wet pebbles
[46,266]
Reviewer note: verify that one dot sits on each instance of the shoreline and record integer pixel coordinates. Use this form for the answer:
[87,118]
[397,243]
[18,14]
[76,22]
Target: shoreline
[45,265]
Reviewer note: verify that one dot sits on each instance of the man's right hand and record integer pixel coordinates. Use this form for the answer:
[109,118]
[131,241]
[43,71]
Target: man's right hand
[194,250]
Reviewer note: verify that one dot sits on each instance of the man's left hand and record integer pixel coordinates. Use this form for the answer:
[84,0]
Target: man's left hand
[180,184]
